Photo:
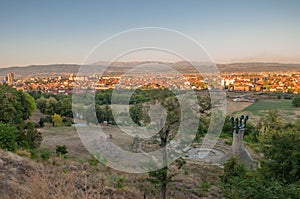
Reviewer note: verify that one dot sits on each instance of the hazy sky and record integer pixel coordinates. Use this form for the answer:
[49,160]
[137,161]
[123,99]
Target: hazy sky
[57,31]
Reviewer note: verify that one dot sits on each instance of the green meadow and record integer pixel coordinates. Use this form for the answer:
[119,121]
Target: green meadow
[258,110]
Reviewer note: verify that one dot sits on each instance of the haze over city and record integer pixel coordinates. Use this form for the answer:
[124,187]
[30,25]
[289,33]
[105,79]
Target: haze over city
[60,32]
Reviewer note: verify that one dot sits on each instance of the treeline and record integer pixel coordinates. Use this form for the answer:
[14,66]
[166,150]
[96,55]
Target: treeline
[15,129]
[86,103]
[121,96]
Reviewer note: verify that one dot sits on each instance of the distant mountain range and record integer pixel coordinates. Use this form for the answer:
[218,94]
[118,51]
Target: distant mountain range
[121,67]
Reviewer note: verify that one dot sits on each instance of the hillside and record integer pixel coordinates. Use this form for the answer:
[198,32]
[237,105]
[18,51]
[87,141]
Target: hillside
[121,67]
[21,177]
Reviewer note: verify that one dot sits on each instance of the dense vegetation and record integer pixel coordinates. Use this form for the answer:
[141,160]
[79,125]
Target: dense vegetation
[15,131]
[278,174]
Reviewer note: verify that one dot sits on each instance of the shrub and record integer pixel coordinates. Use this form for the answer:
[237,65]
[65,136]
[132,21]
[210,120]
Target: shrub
[48,119]
[204,188]
[45,155]
[296,101]
[118,181]
[232,169]
[68,121]
[61,150]
[56,119]
[41,122]
[93,161]
[186,172]
[34,154]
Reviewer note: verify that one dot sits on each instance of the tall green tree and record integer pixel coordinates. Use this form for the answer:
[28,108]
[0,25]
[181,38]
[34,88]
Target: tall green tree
[15,106]
[136,113]
[64,107]
[50,106]
[29,137]
[41,104]
[162,176]
[8,137]
[27,103]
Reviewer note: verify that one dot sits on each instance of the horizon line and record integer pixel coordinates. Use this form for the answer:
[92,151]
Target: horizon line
[141,61]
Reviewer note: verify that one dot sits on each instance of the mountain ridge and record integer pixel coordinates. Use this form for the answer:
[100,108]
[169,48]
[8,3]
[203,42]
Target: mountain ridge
[63,69]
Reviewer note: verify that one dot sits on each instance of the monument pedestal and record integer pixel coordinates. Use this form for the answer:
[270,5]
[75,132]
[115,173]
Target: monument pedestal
[237,149]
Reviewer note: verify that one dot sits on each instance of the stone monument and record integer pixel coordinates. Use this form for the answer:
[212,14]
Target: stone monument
[237,149]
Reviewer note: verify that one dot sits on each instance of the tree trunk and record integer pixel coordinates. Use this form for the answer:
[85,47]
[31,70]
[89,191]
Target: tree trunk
[164,141]
[163,190]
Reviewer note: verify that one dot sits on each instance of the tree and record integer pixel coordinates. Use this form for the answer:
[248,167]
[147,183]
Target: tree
[100,114]
[15,106]
[282,152]
[50,106]
[108,115]
[171,125]
[8,137]
[136,113]
[296,101]
[279,173]
[41,104]
[29,137]
[56,119]
[269,124]
[27,103]
[64,107]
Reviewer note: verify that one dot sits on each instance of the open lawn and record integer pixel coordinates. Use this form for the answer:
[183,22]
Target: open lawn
[265,105]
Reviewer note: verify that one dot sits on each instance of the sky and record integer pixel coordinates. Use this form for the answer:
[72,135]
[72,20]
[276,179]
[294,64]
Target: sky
[61,31]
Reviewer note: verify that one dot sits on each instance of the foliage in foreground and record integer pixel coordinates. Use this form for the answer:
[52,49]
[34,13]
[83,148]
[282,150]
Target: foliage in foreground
[279,173]
[15,108]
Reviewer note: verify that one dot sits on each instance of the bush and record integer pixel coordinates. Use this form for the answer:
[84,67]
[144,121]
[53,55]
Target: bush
[68,121]
[296,101]
[204,188]
[118,181]
[56,119]
[93,161]
[41,122]
[61,150]
[48,119]
[34,154]
[186,172]
[46,155]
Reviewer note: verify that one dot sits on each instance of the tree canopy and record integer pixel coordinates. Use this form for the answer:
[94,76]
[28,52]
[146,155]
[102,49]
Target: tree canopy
[15,106]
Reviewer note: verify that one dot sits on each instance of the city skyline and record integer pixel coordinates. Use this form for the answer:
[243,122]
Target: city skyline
[60,32]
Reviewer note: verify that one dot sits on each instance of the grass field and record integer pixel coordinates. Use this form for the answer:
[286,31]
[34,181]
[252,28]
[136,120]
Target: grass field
[265,105]
[258,110]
